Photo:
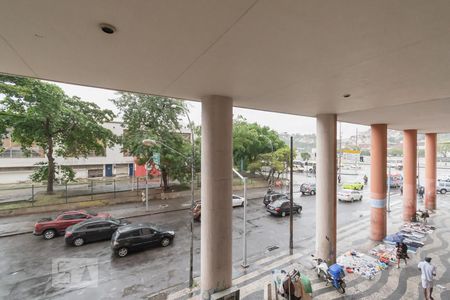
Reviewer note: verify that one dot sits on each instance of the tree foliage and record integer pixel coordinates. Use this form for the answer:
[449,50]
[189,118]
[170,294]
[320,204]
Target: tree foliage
[276,163]
[251,140]
[63,173]
[156,118]
[305,156]
[40,113]
[444,148]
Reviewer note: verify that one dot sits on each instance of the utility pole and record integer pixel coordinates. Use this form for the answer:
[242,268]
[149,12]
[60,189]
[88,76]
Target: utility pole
[340,149]
[291,197]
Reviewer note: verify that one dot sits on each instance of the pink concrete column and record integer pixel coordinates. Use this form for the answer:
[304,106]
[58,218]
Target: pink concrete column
[216,195]
[326,187]
[409,174]
[430,170]
[378,178]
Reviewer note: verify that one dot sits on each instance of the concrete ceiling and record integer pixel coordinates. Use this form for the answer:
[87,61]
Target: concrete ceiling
[297,57]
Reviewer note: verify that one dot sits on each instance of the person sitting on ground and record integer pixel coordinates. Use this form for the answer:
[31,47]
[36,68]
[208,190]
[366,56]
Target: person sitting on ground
[402,253]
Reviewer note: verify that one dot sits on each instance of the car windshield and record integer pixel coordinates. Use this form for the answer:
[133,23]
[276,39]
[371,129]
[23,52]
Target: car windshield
[278,203]
[92,213]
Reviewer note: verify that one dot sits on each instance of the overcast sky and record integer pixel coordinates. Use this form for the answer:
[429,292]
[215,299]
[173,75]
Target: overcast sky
[279,122]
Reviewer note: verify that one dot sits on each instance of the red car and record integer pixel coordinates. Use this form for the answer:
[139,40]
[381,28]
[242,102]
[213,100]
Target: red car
[49,227]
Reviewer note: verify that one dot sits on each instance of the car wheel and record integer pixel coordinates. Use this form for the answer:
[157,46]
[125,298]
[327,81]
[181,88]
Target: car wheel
[49,234]
[78,242]
[283,214]
[360,198]
[443,191]
[313,193]
[242,204]
[299,210]
[122,252]
[165,242]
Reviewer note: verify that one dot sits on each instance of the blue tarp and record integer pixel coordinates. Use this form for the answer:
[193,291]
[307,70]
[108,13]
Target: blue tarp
[394,238]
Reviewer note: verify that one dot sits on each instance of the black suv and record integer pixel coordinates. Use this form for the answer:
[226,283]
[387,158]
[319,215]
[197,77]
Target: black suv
[270,197]
[139,236]
[308,188]
[92,230]
[282,207]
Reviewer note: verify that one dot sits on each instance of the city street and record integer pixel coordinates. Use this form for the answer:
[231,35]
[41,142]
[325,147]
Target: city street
[27,273]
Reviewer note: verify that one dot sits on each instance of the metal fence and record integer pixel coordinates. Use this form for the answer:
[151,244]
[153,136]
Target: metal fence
[87,189]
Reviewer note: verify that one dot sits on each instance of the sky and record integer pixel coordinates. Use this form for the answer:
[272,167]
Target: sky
[279,122]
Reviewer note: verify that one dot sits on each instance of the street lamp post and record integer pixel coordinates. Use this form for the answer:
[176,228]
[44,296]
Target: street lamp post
[146,185]
[244,254]
[149,142]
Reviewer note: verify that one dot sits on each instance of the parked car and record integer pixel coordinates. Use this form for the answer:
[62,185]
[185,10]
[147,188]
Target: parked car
[349,195]
[353,186]
[282,207]
[238,201]
[443,187]
[273,197]
[91,230]
[139,236]
[50,228]
[308,188]
[197,210]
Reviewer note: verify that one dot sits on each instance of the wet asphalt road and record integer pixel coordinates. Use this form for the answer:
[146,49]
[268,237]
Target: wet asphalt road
[26,264]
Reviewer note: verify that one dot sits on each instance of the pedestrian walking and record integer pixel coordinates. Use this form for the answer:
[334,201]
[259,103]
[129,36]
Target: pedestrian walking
[421,192]
[401,253]
[339,178]
[428,272]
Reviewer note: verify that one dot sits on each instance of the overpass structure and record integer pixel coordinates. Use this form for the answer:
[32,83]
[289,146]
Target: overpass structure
[380,63]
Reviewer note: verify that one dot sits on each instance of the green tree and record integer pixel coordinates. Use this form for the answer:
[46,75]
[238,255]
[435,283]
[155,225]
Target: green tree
[156,118]
[395,152]
[444,148]
[277,163]
[251,139]
[40,113]
[305,156]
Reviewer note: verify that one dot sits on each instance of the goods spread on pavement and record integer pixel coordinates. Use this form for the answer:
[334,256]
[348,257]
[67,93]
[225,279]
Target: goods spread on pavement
[381,256]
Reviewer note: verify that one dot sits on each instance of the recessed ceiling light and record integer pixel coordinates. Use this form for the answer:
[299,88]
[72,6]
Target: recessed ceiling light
[346,95]
[107,28]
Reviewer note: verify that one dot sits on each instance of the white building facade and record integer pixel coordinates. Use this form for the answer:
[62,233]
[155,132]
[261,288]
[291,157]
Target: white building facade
[15,167]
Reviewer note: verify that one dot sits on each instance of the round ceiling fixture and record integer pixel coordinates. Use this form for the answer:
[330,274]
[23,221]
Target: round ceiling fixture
[107,28]
[346,95]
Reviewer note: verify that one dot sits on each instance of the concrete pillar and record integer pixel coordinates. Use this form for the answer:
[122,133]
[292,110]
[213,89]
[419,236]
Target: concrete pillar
[378,179]
[430,170]
[409,174]
[326,187]
[216,194]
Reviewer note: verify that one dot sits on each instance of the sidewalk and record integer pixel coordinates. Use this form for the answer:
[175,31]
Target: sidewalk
[24,224]
[392,283]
